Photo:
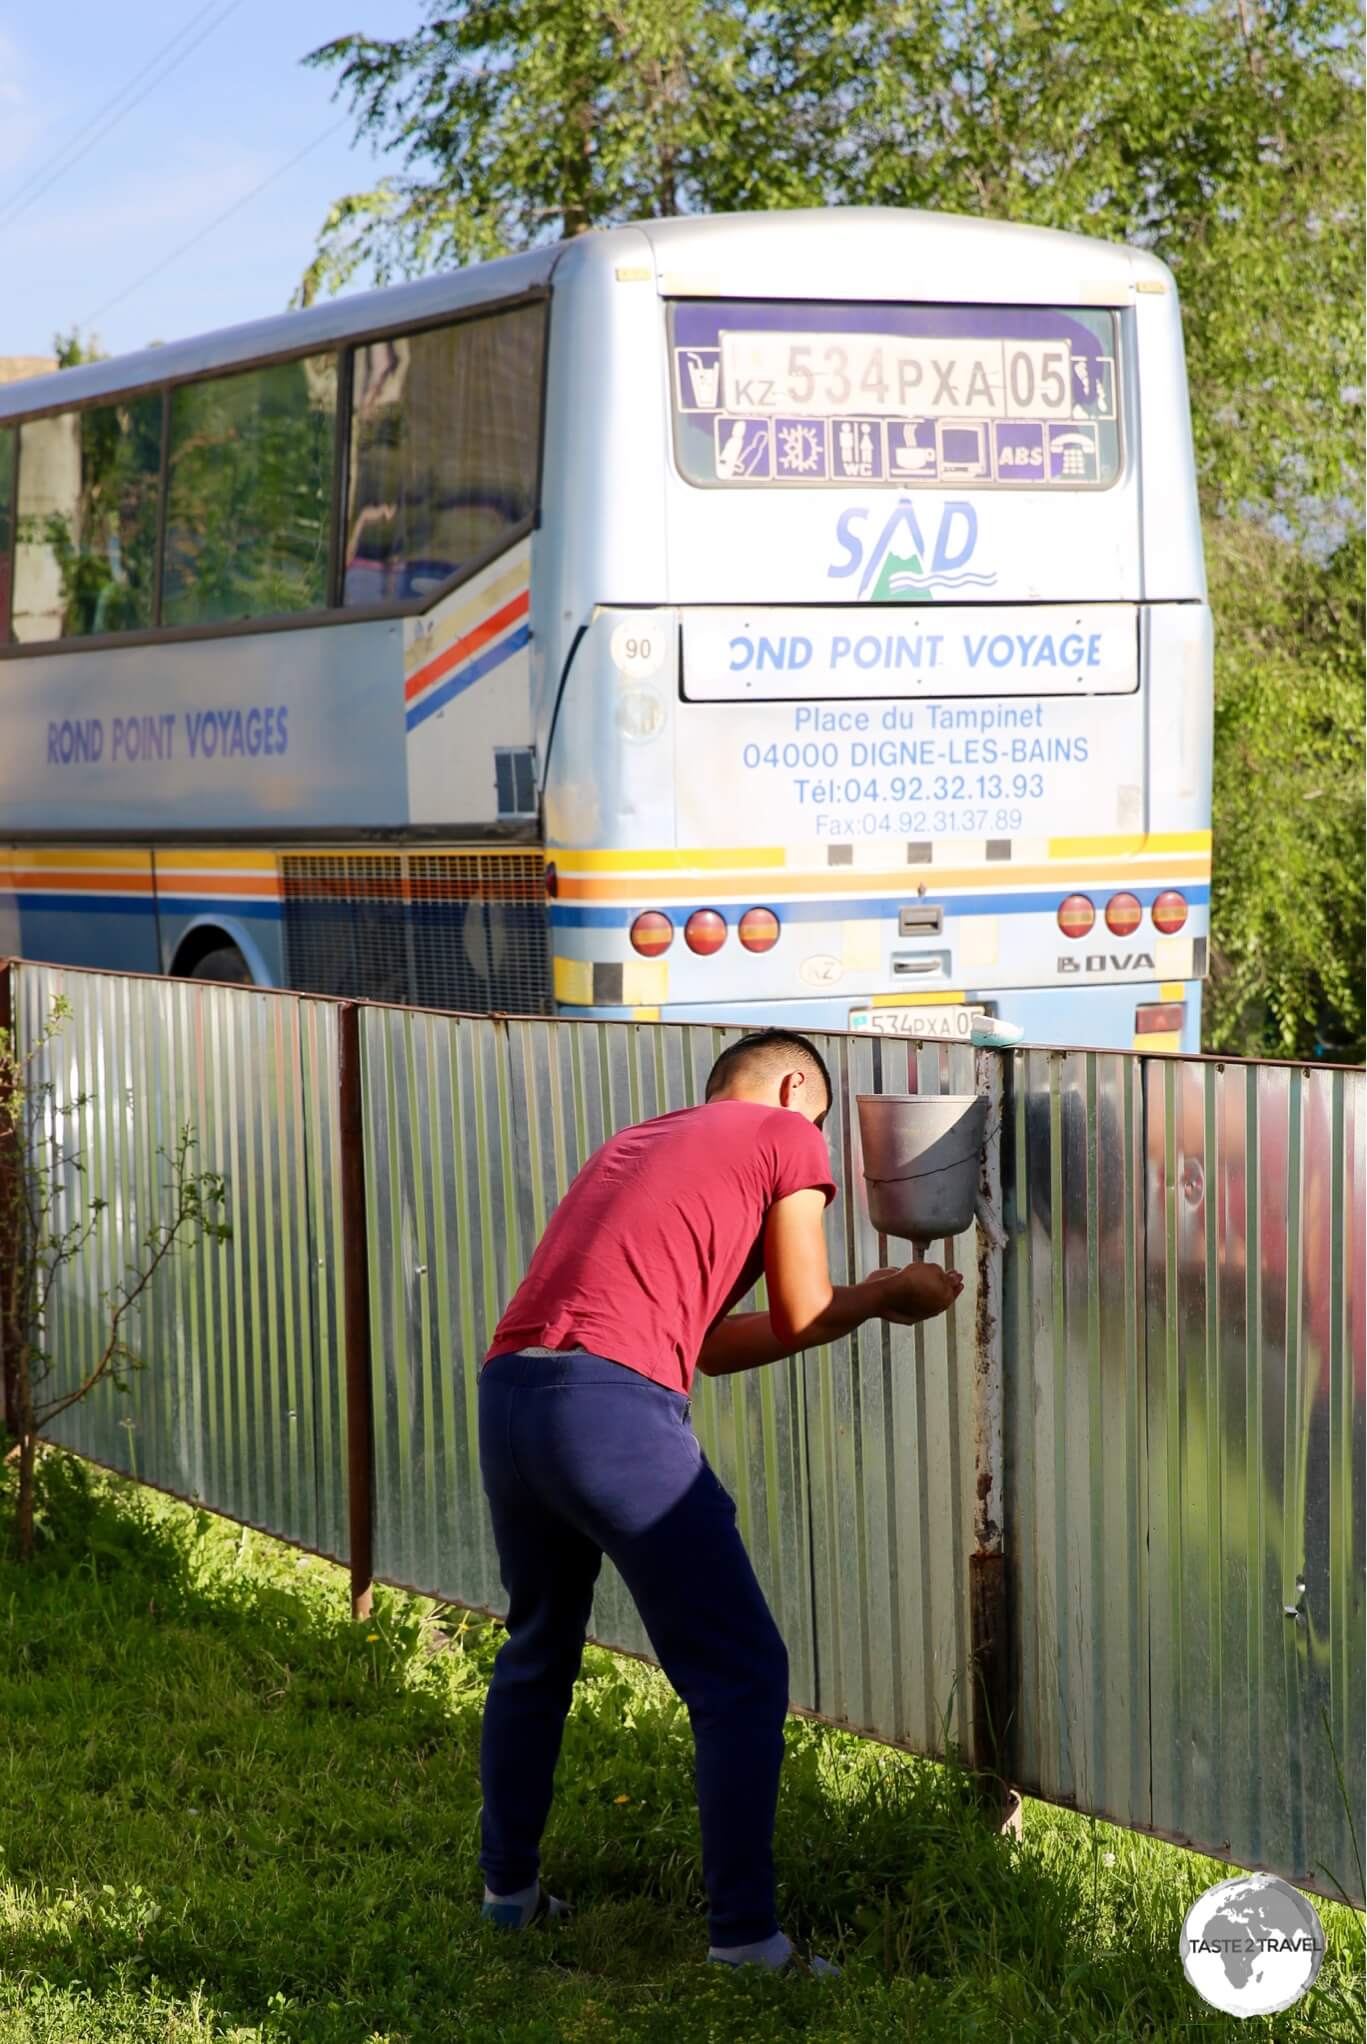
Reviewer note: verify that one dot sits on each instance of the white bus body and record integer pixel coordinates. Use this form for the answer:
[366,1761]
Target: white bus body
[853,633]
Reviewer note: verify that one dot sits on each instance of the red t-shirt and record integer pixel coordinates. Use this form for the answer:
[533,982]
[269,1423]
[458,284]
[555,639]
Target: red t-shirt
[661,1232]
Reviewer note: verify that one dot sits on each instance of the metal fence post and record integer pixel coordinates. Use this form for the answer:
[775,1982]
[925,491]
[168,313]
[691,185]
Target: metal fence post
[989,1627]
[356,1311]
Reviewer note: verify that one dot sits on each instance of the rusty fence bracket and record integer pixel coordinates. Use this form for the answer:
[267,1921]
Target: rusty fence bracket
[989,1607]
[356,1312]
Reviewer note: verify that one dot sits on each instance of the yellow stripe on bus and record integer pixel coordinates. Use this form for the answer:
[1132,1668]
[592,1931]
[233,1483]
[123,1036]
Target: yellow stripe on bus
[85,858]
[936,1000]
[222,861]
[750,857]
[732,859]
[1130,844]
[123,858]
[88,881]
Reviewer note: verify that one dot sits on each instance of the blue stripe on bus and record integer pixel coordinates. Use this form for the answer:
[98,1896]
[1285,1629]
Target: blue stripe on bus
[86,904]
[473,671]
[570,916]
[142,904]
[225,905]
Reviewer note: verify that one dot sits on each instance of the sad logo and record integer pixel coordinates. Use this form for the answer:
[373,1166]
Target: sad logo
[899,567]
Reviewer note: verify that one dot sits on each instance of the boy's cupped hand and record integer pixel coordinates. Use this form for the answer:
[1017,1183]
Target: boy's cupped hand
[916,1292]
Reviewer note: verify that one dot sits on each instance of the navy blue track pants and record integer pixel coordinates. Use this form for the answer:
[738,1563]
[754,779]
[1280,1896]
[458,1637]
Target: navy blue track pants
[582,1457]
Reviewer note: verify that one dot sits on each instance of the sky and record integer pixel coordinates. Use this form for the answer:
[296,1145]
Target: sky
[236,109]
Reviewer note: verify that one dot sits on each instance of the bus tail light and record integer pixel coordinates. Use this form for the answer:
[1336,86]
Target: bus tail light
[1123,915]
[758,929]
[1169,911]
[651,933]
[705,931]
[1076,915]
[1160,1018]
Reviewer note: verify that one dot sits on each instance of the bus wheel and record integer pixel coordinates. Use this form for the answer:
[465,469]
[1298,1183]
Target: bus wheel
[226,963]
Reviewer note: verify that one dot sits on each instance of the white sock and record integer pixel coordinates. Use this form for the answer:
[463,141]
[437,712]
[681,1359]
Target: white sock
[525,1899]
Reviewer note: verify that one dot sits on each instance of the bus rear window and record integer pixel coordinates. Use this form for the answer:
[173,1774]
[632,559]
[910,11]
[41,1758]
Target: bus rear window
[962,397]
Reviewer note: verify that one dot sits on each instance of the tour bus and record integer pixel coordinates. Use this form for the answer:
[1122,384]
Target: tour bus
[793,617]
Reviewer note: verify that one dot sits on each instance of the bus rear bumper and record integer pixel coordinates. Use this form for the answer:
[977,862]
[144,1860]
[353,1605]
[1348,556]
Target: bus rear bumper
[1100,1018]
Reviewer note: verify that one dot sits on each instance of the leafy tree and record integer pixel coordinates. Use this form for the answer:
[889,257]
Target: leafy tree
[515,124]
[71,351]
[1223,134]
[1287,909]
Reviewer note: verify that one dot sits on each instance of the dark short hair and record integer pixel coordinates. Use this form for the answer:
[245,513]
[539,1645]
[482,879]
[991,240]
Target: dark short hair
[768,1051]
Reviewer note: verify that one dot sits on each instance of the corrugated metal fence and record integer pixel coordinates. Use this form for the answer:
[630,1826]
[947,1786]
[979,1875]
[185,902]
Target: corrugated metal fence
[245,1407]
[1182,1341]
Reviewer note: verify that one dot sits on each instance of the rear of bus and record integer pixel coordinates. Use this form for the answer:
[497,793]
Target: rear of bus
[875,654]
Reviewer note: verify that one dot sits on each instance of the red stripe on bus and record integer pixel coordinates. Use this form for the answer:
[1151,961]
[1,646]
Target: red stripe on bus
[464,647]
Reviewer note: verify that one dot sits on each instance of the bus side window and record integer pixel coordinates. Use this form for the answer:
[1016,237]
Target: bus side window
[86,521]
[443,456]
[249,500]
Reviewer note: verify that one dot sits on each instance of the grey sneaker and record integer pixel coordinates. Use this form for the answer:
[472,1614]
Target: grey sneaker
[793,1961]
[547,1910]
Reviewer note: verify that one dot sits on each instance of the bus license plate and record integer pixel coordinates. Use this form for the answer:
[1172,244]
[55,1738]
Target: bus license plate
[949,1024]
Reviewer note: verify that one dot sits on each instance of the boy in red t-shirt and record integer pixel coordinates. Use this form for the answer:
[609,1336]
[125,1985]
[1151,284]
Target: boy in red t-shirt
[586,1449]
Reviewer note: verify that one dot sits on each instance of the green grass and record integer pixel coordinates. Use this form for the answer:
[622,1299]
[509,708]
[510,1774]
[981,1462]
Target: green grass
[226,1813]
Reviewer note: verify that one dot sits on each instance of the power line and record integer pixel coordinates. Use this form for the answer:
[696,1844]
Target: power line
[211,226]
[104,122]
[41,169]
